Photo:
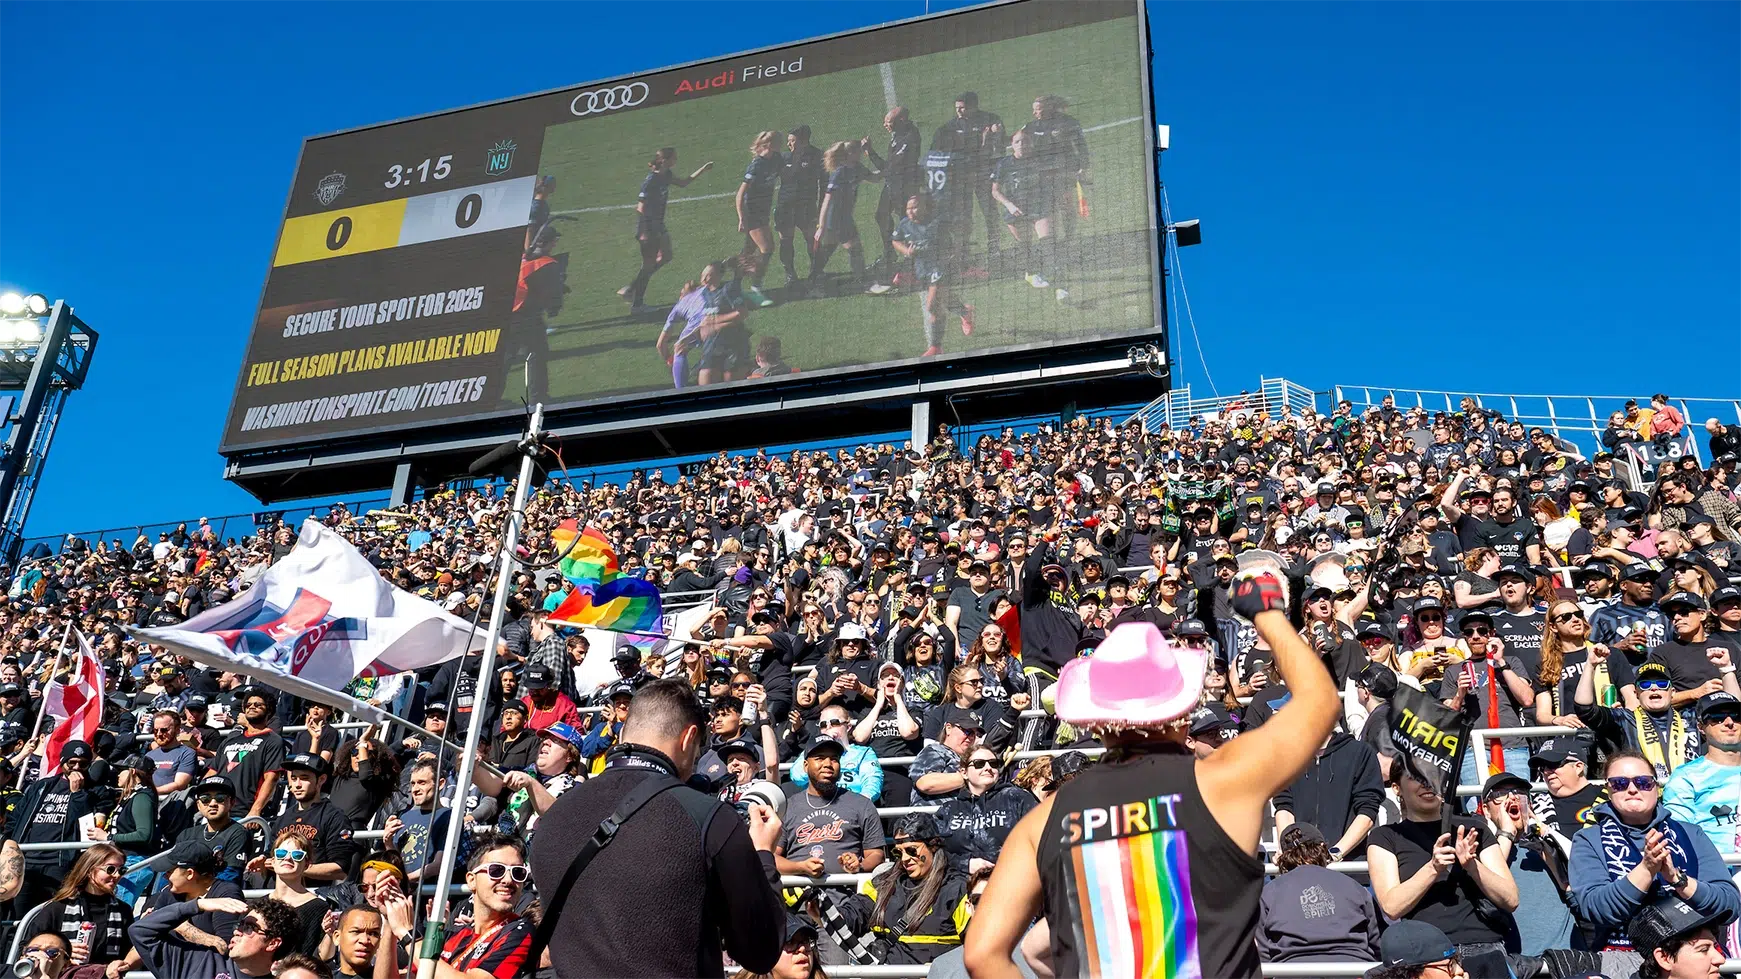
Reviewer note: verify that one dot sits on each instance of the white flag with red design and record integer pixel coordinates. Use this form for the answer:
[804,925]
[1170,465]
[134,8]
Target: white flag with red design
[76,706]
[318,619]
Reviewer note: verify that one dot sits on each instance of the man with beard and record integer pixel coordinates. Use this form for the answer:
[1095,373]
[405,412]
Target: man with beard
[253,758]
[828,830]
[1633,626]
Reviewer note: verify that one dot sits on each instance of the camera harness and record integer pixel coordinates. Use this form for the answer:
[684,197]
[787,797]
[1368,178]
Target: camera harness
[699,803]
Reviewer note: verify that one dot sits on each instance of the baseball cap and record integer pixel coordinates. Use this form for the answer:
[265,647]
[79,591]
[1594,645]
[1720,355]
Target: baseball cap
[1474,615]
[1427,604]
[1553,753]
[11,690]
[742,746]
[1638,571]
[309,763]
[1682,599]
[1651,670]
[1190,627]
[1069,763]
[1378,679]
[539,676]
[196,857]
[1501,780]
[1666,917]
[799,929]
[435,707]
[963,717]
[1300,833]
[196,702]
[1722,700]
[626,653]
[1372,629]
[1516,570]
[1728,593]
[1410,942]
[825,746]
[213,783]
[75,750]
[623,688]
[516,705]
[852,631]
[566,733]
[1212,718]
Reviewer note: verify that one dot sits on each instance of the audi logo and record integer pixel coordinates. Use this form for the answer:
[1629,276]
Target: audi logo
[606,99]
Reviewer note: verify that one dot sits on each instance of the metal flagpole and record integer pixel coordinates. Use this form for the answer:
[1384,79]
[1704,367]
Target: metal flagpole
[486,670]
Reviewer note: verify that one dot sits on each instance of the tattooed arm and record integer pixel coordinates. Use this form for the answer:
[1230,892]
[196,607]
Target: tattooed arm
[11,870]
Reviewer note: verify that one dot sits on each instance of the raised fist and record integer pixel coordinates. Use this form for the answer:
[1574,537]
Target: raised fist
[1258,590]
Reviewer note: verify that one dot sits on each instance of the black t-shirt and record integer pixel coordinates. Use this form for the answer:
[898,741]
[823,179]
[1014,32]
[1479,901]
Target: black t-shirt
[245,759]
[1688,665]
[1573,663]
[864,668]
[1522,634]
[1572,813]
[1450,903]
[886,738]
[329,741]
[1509,539]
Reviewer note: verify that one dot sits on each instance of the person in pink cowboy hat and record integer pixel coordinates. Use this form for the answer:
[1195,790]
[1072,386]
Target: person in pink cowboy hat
[1146,864]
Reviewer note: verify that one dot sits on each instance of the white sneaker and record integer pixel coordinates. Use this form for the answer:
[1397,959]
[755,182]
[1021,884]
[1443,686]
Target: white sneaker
[1028,277]
[1063,295]
[1039,282]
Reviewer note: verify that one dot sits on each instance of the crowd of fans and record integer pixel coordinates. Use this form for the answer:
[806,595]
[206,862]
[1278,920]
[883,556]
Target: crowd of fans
[883,627]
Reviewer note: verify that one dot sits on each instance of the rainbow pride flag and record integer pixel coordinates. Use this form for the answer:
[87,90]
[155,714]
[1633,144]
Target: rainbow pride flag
[603,597]
[588,557]
[620,605]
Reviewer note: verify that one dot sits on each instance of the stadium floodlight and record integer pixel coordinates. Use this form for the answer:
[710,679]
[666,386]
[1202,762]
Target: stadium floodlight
[1187,233]
[36,304]
[12,304]
[29,331]
[8,331]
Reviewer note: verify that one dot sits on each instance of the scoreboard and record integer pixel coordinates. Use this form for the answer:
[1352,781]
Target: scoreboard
[452,267]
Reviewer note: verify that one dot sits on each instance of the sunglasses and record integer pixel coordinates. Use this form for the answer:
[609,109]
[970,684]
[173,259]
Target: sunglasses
[211,797]
[1643,783]
[1683,612]
[248,926]
[285,853]
[518,873]
[1721,716]
[1477,631]
[1423,618]
[740,686]
[982,763]
[911,850]
[53,954]
[1657,684]
[112,868]
[1569,617]
[838,722]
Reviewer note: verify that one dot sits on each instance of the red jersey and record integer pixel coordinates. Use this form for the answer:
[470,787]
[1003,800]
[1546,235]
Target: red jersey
[501,951]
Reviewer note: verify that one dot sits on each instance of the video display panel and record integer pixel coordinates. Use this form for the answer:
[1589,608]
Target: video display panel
[953,187]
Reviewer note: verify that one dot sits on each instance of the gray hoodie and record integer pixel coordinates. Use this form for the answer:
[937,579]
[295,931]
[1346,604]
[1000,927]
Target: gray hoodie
[1314,914]
[168,956]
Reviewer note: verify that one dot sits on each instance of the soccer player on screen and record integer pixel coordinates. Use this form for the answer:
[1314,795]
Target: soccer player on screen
[902,178]
[924,237]
[681,333]
[980,135]
[800,199]
[650,232]
[1059,145]
[755,206]
[948,173]
[835,228]
[1023,191]
[724,332]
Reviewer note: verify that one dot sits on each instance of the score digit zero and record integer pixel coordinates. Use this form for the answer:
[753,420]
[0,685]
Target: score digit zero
[409,221]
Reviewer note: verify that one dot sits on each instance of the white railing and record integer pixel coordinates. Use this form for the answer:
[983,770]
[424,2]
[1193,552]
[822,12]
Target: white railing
[1274,398]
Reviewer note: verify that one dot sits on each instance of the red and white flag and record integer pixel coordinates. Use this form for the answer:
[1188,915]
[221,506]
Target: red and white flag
[77,707]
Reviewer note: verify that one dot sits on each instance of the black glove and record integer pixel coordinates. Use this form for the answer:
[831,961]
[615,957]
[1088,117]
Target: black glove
[1258,590]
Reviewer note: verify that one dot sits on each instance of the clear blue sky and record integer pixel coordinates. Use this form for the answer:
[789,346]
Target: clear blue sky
[1498,197]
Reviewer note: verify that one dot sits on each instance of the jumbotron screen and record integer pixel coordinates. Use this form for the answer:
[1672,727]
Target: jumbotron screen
[951,187]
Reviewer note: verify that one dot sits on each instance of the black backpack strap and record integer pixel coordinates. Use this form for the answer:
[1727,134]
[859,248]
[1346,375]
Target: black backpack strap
[643,792]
